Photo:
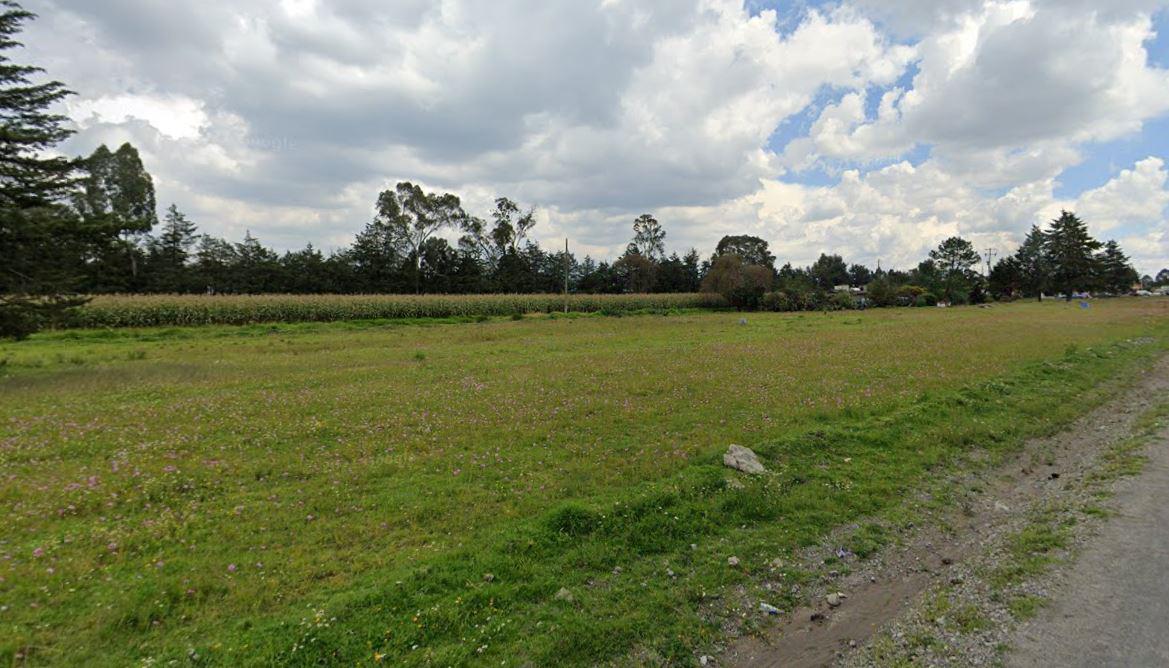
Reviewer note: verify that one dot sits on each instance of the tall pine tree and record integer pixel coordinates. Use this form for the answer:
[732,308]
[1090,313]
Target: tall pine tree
[1033,265]
[1114,273]
[170,251]
[41,240]
[1070,252]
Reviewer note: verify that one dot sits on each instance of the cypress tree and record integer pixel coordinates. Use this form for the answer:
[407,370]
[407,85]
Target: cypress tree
[41,240]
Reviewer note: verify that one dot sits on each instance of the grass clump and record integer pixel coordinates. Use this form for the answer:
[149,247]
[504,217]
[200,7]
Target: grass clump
[1025,606]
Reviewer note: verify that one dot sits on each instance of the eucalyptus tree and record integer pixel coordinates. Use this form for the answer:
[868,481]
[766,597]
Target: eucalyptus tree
[412,216]
[649,238]
[509,229]
[117,196]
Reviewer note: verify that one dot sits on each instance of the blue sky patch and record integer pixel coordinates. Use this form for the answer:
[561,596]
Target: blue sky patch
[1158,47]
[1104,161]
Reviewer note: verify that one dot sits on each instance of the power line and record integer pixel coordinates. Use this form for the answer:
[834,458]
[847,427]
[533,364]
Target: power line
[991,253]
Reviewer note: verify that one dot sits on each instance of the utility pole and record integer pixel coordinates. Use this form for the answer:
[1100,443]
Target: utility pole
[566,274]
[990,255]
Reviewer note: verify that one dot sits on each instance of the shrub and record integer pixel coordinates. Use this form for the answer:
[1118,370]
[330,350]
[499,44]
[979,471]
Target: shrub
[776,301]
[926,299]
[573,520]
[881,292]
[24,315]
[842,301]
[907,294]
[808,299]
[742,285]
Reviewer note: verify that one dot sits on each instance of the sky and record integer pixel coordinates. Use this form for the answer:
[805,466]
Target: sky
[873,129]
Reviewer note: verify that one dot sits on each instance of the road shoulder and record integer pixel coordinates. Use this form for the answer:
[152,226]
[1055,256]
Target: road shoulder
[1110,608]
[956,588]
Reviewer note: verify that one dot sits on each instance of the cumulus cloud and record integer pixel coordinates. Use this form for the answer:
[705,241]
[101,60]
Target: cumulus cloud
[1135,196]
[1002,80]
[173,117]
[286,117]
[896,214]
[625,104]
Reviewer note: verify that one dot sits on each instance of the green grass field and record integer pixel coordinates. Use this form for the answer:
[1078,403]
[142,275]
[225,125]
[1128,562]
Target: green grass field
[417,493]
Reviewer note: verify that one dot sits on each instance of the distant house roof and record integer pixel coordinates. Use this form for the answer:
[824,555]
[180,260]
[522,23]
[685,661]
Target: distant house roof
[848,288]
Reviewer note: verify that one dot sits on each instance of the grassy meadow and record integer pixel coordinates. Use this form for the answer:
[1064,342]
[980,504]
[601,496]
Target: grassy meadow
[418,492]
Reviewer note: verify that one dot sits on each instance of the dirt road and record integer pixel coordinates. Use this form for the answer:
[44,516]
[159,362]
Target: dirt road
[1112,606]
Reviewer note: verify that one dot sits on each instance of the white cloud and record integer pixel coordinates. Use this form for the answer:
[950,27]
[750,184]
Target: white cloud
[1006,91]
[174,116]
[286,117]
[896,214]
[1135,196]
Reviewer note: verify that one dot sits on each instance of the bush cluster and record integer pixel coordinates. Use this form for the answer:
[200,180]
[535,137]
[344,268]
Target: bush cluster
[821,300]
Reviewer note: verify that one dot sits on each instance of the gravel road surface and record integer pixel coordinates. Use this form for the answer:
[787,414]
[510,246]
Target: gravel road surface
[1113,609]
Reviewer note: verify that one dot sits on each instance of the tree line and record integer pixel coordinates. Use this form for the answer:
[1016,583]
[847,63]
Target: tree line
[402,250]
[70,227]
[1062,259]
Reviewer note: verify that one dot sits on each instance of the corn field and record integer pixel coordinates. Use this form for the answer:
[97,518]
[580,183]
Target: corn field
[180,310]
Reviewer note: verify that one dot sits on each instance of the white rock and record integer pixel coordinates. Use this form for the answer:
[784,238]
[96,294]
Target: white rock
[833,600]
[743,459]
[732,561]
[768,608]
